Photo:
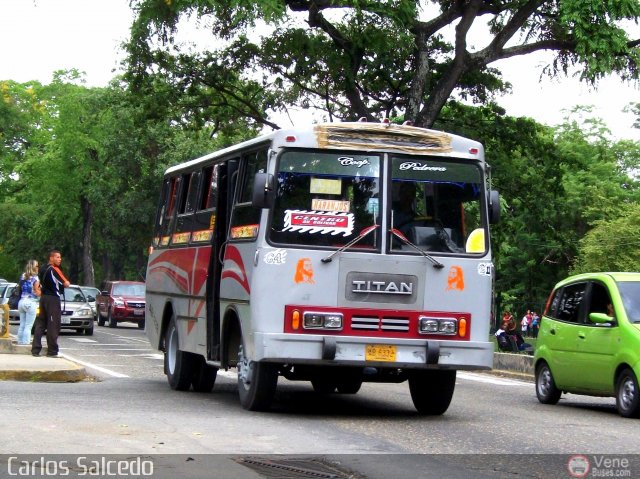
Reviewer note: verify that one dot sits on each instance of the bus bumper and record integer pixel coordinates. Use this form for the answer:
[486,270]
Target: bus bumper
[349,350]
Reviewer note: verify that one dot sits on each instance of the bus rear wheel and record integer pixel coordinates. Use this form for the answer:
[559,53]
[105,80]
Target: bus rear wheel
[178,365]
[432,390]
[257,382]
[204,376]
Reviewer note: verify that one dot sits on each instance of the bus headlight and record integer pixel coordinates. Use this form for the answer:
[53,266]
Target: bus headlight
[322,321]
[447,326]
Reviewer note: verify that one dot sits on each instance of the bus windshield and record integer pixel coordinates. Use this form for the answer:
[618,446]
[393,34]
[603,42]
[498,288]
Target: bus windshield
[436,205]
[326,199]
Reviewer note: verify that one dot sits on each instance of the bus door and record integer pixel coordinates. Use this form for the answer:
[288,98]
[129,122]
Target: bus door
[220,178]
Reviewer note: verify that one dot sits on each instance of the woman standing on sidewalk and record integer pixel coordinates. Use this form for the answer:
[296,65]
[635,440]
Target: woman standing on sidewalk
[28,304]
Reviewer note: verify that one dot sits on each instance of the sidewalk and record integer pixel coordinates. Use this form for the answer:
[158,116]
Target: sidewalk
[17,364]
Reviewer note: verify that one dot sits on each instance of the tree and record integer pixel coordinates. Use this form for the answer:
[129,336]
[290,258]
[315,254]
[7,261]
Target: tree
[371,59]
[612,245]
[81,171]
[556,184]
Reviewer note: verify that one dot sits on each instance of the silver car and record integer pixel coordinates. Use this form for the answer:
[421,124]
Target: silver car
[76,312]
[91,294]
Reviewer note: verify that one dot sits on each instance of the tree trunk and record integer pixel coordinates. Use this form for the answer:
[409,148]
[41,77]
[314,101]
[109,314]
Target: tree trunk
[88,277]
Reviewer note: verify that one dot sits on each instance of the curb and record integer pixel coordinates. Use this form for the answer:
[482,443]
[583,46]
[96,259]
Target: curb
[517,366]
[17,364]
[71,375]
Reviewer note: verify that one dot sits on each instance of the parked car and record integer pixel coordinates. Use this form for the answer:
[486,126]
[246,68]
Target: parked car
[589,340]
[91,294]
[5,291]
[76,311]
[121,301]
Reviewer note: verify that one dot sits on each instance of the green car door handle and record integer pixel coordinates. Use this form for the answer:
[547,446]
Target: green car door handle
[581,335]
[552,331]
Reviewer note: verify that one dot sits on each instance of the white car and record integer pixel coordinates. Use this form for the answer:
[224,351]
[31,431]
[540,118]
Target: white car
[76,312]
[91,294]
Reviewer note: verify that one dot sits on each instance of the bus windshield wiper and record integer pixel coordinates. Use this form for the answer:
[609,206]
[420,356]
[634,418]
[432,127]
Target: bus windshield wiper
[436,264]
[362,234]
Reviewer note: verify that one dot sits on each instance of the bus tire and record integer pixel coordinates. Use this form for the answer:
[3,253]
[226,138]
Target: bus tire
[349,387]
[432,390]
[178,365]
[204,376]
[257,382]
[323,386]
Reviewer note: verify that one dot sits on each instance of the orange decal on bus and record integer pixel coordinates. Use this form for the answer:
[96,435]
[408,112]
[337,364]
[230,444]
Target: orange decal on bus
[455,279]
[304,271]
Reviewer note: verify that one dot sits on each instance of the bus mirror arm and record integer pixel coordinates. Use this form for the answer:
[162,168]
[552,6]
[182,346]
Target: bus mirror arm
[436,264]
[494,206]
[363,233]
[263,190]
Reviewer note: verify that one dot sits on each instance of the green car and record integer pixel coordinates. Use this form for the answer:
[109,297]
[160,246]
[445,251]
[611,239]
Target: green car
[589,340]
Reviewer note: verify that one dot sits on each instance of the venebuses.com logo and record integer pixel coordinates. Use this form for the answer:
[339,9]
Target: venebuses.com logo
[581,466]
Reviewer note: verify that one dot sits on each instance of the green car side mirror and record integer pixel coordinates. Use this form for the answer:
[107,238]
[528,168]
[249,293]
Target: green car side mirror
[601,318]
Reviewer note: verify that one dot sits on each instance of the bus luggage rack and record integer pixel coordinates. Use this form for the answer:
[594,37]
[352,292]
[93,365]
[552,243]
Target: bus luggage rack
[380,323]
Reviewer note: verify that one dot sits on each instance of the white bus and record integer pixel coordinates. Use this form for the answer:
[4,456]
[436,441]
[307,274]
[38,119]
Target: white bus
[337,254]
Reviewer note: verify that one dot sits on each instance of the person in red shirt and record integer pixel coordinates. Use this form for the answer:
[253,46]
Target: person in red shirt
[52,284]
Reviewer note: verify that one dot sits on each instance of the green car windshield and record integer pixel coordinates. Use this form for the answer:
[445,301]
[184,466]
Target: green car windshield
[630,292]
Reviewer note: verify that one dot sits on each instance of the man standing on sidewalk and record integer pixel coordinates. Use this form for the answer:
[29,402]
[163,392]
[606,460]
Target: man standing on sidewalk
[52,284]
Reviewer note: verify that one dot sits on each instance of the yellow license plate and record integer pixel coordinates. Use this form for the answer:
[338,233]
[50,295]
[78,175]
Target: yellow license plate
[380,352]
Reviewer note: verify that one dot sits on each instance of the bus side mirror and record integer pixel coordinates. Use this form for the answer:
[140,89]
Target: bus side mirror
[494,206]
[263,190]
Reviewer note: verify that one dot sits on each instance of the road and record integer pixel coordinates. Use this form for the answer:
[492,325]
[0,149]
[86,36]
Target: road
[130,409]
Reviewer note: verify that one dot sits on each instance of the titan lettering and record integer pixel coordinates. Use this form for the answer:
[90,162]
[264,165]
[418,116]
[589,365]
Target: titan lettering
[382,287]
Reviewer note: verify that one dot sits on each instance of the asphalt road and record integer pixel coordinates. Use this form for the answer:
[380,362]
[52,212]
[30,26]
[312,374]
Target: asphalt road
[130,409]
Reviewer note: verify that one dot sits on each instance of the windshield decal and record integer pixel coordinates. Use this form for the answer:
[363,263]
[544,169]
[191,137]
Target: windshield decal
[325,186]
[330,205]
[350,161]
[318,222]
[417,166]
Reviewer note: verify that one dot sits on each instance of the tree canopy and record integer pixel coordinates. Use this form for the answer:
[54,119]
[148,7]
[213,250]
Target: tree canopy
[375,59]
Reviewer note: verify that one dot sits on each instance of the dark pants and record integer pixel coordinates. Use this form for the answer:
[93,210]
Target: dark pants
[49,320]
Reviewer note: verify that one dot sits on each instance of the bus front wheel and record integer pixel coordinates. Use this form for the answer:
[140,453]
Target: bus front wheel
[178,365]
[257,383]
[432,390]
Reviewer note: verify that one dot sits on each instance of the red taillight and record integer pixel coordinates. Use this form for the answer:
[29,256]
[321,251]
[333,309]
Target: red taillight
[290,139]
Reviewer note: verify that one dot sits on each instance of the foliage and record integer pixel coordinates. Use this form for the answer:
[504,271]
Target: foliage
[612,245]
[556,184]
[369,59]
[81,173]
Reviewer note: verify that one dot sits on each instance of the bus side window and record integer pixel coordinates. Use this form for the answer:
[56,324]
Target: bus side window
[167,211]
[205,217]
[209,194]
[245,218]
[192,193]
